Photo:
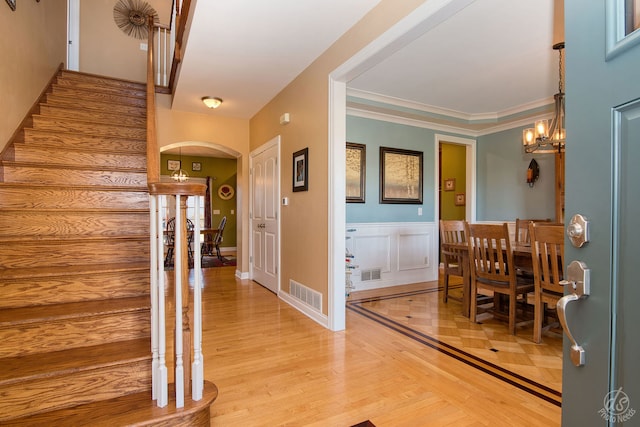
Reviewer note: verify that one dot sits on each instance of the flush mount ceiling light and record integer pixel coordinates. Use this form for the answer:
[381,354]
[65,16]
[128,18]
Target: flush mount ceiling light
[212,102]
[548,137]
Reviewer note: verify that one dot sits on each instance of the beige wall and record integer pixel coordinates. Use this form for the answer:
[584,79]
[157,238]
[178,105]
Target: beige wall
[32,47]
[304,232]
[105,49]
[179,127]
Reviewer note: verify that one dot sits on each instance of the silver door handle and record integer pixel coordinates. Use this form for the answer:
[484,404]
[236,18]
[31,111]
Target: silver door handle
[578,278]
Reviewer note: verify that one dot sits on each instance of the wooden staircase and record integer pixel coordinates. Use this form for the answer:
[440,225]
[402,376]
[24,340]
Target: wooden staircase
[74,263]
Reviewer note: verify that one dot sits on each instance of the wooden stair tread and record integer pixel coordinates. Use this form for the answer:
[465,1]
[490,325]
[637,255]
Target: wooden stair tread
[72,270]
[132,410]
[82,76]
[25,315]
[91,168]
[114,188]
[23,368]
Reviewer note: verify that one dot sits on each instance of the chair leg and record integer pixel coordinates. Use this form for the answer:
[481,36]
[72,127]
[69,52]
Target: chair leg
[473,309]
[446,287]
[513,299]
[538,317]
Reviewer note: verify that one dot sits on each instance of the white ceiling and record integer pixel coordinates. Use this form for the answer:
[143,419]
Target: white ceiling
[491,58]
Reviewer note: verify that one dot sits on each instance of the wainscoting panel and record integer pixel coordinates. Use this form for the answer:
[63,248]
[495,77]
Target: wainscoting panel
[391,254]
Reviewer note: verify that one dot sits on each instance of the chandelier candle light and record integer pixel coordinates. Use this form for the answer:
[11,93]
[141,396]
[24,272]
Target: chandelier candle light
[180,175]
[548,137]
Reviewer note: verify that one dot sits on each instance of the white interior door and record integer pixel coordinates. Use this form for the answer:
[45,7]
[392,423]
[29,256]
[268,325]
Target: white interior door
[73,35]
[265,227]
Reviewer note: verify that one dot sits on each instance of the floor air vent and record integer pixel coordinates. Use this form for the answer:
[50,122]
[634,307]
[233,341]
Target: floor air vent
[306,295]
[372,274]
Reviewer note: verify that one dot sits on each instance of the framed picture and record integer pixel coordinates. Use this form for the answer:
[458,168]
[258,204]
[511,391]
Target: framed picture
[301,170]
[400,176]
[355,176]
[196,166]
[12,4]
[173,165]
[459,200]
[450,184]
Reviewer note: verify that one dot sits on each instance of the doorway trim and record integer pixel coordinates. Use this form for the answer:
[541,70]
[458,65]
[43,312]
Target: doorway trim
[470,183]
[423,19]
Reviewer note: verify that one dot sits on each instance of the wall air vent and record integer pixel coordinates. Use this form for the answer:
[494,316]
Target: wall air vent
[371,274]
[306,295]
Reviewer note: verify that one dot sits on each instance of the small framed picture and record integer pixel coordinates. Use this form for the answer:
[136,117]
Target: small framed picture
[450,184]
[173,165]
[196,166]
[459,200]
[301,170]
[12,4]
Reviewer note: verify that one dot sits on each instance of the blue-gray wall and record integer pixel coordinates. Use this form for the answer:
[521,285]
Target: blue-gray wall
[501,188]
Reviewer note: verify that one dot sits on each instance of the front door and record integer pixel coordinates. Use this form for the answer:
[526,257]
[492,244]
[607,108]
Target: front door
[603,184]
[265,203]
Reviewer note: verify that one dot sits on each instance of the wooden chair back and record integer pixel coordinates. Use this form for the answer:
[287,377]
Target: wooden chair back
[491,254]
[547,256]
[522,229]
[451,231]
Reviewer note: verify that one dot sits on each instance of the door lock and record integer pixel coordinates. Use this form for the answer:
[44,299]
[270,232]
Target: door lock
[578,276]
[578,230]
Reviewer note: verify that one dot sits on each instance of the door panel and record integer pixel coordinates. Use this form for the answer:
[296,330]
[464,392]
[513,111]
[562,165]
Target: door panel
[265,200]
[602,160]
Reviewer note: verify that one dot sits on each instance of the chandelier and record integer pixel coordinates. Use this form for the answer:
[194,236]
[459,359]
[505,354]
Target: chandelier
[179,175]
[548,136]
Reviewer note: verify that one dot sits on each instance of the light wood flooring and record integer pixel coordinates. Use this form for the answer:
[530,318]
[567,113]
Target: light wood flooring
[273,366]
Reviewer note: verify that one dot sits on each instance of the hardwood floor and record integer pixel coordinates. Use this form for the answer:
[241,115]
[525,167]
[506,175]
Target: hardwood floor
[274,366]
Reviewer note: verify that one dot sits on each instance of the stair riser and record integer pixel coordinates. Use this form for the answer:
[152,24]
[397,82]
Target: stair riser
[63,141]
[64,289]
[59,335]
[54,198]
[63,391]
[100,97]
[94,115]
[49,156]
[74,103]
[68,253]
[70,177]
[100,87]
[53,225]
[70,77]
[88,128]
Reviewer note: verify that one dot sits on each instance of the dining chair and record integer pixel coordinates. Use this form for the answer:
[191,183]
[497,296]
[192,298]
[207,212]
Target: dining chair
[522,229]
[218,237]
[171,241]
[547,256]
[451,231]
[492,267]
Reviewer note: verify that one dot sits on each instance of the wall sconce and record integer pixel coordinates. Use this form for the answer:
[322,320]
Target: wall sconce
[212,102]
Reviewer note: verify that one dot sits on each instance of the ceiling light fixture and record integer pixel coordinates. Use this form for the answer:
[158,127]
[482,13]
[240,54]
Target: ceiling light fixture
[548,137]
[211,102]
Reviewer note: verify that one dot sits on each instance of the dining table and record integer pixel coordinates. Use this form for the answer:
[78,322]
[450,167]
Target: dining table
[521,258]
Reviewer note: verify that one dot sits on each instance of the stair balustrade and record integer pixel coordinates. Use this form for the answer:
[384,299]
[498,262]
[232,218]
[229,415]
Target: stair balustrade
[187,332]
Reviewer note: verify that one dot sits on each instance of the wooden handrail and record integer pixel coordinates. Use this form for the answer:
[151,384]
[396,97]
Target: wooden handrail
[153,152]
[181,23]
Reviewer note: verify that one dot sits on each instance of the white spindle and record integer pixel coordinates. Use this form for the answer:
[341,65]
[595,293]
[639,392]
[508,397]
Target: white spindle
[161,388]
[158,53]
[165,54]
[179,377]
[197,368]
[153,229]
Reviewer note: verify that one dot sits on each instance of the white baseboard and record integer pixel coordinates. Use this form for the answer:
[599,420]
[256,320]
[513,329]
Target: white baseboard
[305,309]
